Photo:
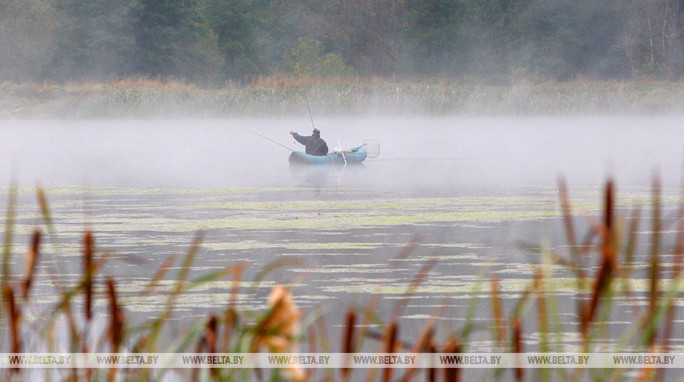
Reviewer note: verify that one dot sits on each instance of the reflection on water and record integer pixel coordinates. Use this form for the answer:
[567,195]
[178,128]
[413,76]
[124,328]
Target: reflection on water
[322,176]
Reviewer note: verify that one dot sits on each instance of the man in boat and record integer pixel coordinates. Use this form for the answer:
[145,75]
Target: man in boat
[313,143]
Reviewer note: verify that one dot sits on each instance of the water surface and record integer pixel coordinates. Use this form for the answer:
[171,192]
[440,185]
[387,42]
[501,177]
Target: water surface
[469,191]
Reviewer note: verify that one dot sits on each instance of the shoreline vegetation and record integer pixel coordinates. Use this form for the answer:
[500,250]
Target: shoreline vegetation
[285,96]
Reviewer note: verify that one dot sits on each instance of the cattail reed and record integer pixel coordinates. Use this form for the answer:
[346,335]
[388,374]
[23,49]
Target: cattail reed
[116,323]
[654,268]
[567,219]
[88,272]
[231,321]
[231,315]
[542,314]
[45,211]
[163,269]
[452,374]
[13,317]
[31,263]
[211,334]
[278,330]
[390,346]
[348,341]
[497,309]
[116,317]
[417,280]
[199,348]
[517,347]
[608,264]
[211,339]
[9,233]
[421,346]
[432,372]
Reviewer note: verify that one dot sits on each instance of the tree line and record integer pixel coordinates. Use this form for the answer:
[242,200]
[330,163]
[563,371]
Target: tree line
[214,41]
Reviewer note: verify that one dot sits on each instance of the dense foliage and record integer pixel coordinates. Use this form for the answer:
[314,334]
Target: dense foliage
[213,41]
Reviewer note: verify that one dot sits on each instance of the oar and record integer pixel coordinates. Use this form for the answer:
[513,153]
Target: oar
[276,142]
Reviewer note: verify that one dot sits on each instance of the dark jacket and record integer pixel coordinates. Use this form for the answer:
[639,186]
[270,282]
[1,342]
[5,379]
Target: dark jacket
[314,144]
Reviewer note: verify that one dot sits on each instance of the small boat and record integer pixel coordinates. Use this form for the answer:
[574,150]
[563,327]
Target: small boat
[354,155]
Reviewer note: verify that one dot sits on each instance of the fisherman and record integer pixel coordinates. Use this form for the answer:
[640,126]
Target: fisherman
[314,144]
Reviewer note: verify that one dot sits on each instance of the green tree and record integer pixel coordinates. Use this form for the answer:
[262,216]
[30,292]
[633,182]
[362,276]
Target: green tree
[173,40]
[27,34]
[95,39]
[310,58]
[367,34]
[436,41]
[235,24]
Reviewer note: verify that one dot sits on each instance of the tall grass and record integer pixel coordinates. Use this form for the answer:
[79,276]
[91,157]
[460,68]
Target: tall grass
[601,265]
[284,96]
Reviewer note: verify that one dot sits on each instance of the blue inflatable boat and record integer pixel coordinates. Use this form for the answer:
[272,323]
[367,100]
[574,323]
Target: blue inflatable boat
[354,155]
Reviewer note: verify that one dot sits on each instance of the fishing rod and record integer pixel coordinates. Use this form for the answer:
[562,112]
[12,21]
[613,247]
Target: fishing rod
[276,142]
[310,116]
[299,74]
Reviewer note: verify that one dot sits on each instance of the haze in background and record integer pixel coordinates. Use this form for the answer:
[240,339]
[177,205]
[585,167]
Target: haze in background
[428,154]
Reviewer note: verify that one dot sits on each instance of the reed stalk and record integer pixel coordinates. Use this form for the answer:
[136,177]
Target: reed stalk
[14,317]
[9,234]
[517,346]
[31,263]
[452,374]
[497,311]
[607,267]
[88,273]
[116,323]
[390,347]
[654,264]
[348,342]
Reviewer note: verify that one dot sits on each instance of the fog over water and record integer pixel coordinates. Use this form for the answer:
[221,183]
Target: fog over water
[429,154]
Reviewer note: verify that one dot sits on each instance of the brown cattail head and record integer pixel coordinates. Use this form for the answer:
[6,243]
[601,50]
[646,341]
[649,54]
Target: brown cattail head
[277,331]
[517,346]
[31,263]
[348,340]
[211,334]
[608,251]
[88,272]
[432,372]
[608,264]
[116,317]
[391,337]
[211,339]
[282,325]
[42,199]
[14,317]
[452,374]
[609,206]
[567,217]
[231,321]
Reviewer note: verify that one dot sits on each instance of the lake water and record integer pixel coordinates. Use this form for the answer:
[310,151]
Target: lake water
[469,191]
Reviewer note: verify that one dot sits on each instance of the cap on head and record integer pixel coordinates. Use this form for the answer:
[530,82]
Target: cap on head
[316,132]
